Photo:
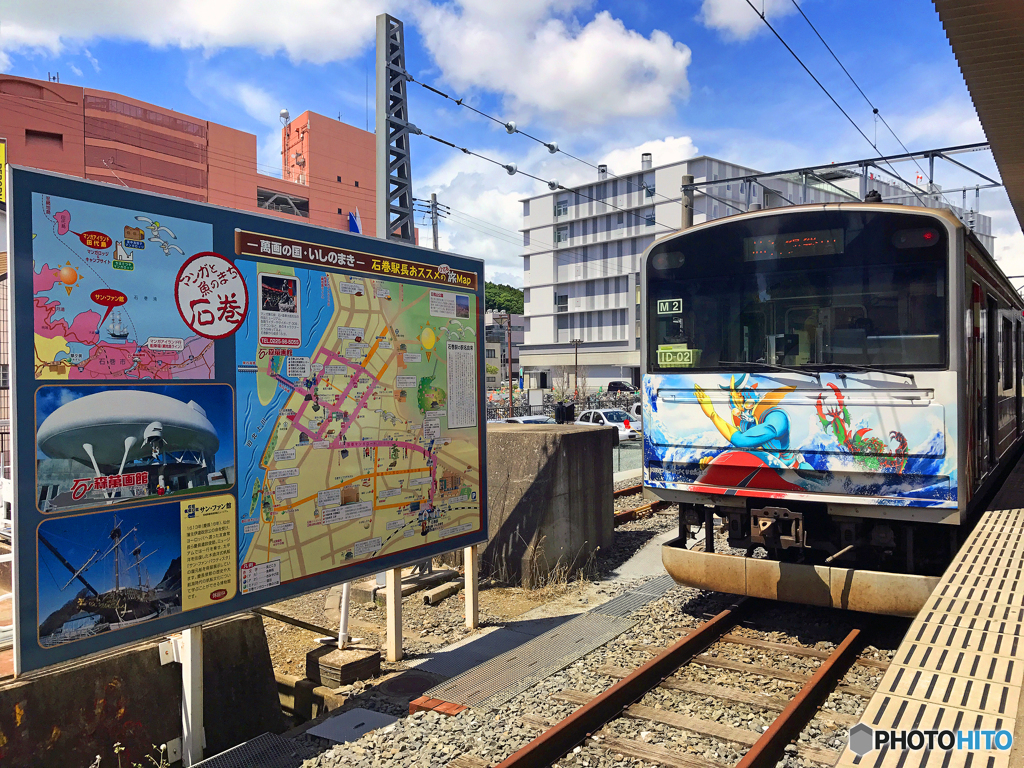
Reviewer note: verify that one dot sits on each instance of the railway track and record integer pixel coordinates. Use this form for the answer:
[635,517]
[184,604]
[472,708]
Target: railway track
[609,720]
[624,514]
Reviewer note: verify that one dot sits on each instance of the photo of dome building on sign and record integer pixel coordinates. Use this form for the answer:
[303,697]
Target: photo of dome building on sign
[97,446]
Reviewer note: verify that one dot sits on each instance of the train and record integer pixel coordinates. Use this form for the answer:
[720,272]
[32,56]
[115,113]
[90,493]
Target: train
[836,387]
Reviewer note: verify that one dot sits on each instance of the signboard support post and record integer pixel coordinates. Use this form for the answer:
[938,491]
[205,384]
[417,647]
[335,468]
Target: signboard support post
[192,695]
[343,637]
[472,586]
[187,649]
[393,606]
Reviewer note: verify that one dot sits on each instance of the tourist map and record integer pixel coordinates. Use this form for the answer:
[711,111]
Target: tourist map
[359,436]
[103,293]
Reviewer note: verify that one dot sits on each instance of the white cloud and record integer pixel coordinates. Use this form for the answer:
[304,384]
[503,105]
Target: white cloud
[486,213]
[663,151]
[318,32]
[547,65]
[736,20]
[1010,253]
[953,121]
[76,70]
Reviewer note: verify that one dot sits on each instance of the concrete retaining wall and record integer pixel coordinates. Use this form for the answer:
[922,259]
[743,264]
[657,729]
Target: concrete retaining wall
[67,716]
[549,496]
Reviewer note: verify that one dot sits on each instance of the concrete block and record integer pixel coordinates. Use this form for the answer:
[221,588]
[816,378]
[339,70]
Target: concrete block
[789,582]
[437,594]
[67,715]
[703,570]
[335,667]
[896,594]
[549,496]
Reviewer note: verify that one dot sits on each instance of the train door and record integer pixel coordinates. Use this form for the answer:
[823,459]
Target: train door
[992,379]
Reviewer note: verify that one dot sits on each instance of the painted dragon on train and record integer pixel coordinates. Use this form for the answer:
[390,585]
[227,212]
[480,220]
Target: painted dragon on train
[872,452]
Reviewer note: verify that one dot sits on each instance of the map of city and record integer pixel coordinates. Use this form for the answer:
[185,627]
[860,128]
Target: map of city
[103,293]
[357,427]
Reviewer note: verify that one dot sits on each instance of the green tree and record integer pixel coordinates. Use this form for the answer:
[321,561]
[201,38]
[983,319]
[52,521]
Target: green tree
[505,298]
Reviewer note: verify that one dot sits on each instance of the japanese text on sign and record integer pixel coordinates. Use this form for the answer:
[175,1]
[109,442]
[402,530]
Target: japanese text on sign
[253,244]
[212,296]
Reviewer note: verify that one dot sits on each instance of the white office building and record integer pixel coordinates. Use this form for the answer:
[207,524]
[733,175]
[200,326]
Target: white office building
[582,250]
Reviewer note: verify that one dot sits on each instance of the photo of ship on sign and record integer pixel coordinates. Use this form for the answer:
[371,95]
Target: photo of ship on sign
[107,572]
[98,446]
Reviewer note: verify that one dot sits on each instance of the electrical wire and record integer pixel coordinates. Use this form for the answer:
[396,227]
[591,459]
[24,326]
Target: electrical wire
[874,109]
[511,128]
[512,169]
[914,189]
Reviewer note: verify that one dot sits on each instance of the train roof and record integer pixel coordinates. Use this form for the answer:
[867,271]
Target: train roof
[940,213]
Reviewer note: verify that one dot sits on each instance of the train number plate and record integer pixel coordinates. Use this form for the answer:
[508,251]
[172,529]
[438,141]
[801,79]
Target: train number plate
[669,306]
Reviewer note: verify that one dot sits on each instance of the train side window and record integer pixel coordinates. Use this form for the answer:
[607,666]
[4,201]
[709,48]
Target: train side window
[1007,354]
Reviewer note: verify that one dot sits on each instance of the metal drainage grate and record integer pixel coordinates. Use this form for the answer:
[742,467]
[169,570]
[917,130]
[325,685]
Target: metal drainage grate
[626,603]
[495,682]
[266,751]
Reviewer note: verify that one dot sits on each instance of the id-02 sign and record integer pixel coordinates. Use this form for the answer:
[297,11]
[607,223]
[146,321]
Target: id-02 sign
[237,419]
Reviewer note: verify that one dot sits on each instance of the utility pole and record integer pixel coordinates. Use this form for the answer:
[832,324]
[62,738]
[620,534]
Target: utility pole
[508,322]
[687,190]
[576,376]
[433,217]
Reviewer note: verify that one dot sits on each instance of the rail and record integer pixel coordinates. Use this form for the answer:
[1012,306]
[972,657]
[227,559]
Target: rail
[764,750]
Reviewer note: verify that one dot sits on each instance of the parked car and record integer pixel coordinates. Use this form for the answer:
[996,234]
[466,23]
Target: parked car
[636,415]
[621,386]
[530,420]
[611,417]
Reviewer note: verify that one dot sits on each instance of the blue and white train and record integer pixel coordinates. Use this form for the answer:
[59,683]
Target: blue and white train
[840,384]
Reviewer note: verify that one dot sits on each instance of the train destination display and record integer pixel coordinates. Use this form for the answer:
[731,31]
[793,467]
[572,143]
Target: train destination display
[226,410]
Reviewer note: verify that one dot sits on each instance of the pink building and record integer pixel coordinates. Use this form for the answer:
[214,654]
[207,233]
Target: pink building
[327,166]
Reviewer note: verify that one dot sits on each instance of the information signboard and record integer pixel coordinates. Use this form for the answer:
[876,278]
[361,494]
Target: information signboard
[224,410]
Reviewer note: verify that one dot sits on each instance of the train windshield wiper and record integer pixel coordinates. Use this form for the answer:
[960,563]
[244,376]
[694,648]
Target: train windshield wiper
[813,374]
[869,369]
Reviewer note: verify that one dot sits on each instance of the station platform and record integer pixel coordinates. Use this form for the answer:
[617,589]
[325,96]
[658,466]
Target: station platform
[960,666]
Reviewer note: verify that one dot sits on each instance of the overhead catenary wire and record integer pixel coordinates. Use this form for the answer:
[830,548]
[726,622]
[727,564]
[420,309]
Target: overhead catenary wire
[874,109]
[511,128]
[913,189]
[513,169]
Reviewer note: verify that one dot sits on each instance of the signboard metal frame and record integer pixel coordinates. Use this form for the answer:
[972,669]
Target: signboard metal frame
[227,226]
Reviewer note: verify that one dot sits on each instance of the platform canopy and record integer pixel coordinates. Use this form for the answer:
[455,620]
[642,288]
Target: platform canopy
[987,37]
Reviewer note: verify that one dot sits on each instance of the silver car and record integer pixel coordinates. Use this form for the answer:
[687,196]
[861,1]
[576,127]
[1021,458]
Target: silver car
[611,417]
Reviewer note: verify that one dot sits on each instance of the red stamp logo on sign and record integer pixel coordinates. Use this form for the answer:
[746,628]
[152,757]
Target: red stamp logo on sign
[211,295]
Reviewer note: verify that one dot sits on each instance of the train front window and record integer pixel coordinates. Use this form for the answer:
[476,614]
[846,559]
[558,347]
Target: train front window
[814,288]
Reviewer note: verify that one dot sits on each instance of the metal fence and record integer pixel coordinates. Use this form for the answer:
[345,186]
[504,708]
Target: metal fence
[498,411]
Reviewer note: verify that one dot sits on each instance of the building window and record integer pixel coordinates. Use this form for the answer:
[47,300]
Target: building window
[357,183]
[638,293]
[490,353]
[638,329]
[561,302]
[1007,356]
[620,221]
[526,207]
[341,212]
[649,217]
[5,376]
[44,139]
[561,235]
[339,178]
[279,201]
[649,189]
[526,237]
[561,207]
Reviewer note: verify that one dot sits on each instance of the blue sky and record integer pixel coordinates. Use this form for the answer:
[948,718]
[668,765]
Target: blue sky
[77,537]
[606,80]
